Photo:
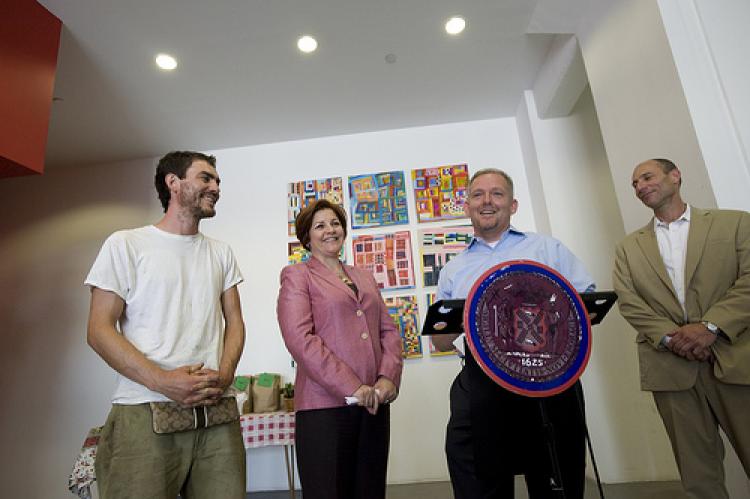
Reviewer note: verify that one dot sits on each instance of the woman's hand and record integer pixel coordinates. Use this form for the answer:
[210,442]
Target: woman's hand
[368,398]
[386,390]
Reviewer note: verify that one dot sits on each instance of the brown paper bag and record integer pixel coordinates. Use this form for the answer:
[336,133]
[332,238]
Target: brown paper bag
[266,392]
[243,388]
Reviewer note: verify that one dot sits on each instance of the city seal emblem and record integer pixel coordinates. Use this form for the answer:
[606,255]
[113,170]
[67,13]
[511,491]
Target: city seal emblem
[527,328]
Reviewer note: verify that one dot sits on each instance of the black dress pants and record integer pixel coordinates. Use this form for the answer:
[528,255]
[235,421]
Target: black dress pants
[459,447]
[500,434]
[342,452]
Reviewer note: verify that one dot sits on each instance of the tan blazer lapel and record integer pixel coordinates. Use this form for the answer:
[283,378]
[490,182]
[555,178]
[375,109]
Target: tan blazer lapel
[700,222]
[647,241]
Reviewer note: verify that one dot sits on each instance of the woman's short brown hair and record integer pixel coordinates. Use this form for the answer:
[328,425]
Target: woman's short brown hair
[303,222]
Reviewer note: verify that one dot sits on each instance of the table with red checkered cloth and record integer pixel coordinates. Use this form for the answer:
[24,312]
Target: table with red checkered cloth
[270,428]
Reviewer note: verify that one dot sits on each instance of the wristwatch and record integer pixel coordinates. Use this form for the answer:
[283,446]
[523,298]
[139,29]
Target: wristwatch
[711,327]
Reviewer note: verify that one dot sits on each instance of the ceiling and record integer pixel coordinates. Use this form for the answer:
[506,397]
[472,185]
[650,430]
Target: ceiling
[242,81]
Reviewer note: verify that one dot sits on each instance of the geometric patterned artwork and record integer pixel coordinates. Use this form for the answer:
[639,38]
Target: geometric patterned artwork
[434,352]
[437,246]
[378,199]
[298,254]
[387,257]
[403,309]
[440,192]
[302,194]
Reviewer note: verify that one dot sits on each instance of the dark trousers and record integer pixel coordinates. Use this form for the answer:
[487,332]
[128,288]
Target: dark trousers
[342,453]
[459,448]
[494,434]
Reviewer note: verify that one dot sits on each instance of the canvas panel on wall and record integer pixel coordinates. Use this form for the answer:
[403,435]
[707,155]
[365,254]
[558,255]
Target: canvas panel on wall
[437,246]
[387,257]
[297,253]
[404,311]
[378,199]
[301,194]
[440,192]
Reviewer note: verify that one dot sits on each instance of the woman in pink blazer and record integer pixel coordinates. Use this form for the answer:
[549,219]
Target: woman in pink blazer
[337,328]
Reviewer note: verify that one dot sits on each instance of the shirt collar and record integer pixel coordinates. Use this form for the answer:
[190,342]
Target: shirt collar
[684,217]
[510,230]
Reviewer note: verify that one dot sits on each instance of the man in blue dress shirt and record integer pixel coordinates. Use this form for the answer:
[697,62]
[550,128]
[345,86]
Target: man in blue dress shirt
[494,434]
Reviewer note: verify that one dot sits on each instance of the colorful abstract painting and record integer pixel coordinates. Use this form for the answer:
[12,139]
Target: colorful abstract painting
[301,194]
[440,192]
[378,199]
[437,246]
[387,257]
[434,352]
[405,314]
[297,253]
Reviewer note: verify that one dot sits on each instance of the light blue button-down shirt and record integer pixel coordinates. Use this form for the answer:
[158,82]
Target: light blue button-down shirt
[459,275]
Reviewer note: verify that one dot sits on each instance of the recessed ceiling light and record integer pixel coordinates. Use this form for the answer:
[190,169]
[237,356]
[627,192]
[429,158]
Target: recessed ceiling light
[166,62]
[307,44]
[455,25]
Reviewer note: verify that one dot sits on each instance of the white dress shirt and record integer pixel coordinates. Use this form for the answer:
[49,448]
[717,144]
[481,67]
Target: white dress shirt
[672,239]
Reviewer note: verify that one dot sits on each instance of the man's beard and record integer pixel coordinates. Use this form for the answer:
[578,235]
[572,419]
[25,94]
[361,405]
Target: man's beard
[204,213]
[194,203]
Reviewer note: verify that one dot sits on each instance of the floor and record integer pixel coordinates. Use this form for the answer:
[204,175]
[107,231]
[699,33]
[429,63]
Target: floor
[442,490]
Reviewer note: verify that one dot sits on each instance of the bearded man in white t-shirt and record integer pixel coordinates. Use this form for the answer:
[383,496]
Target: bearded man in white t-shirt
[173,293]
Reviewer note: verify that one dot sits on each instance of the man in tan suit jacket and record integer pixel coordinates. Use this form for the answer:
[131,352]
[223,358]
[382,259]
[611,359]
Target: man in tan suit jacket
[683,282]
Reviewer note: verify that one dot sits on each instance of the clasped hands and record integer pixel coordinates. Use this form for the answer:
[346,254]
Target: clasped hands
[370,397]
[692,342]
[193,385]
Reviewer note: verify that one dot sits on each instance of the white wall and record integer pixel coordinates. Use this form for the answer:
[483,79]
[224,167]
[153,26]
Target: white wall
[55,387]
[537,204]
[710,42]
[639,101]
[725,28]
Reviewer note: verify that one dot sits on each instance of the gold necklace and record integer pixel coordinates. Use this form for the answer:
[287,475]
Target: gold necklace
[342,275]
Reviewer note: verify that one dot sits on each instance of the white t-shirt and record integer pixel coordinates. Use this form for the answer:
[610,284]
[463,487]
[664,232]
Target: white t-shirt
[172,286]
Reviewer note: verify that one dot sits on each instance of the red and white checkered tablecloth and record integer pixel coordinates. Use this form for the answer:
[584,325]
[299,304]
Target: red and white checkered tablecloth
[270,428]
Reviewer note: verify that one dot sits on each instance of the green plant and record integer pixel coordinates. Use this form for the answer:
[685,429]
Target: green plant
[288,390]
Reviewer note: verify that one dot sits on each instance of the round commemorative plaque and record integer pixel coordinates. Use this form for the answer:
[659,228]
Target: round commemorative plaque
[527,328]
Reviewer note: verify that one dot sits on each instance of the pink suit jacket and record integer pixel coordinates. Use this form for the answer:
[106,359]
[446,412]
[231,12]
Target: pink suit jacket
[340,340]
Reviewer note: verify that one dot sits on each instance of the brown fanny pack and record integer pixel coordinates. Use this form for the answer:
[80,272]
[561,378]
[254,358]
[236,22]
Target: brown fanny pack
[171,417]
